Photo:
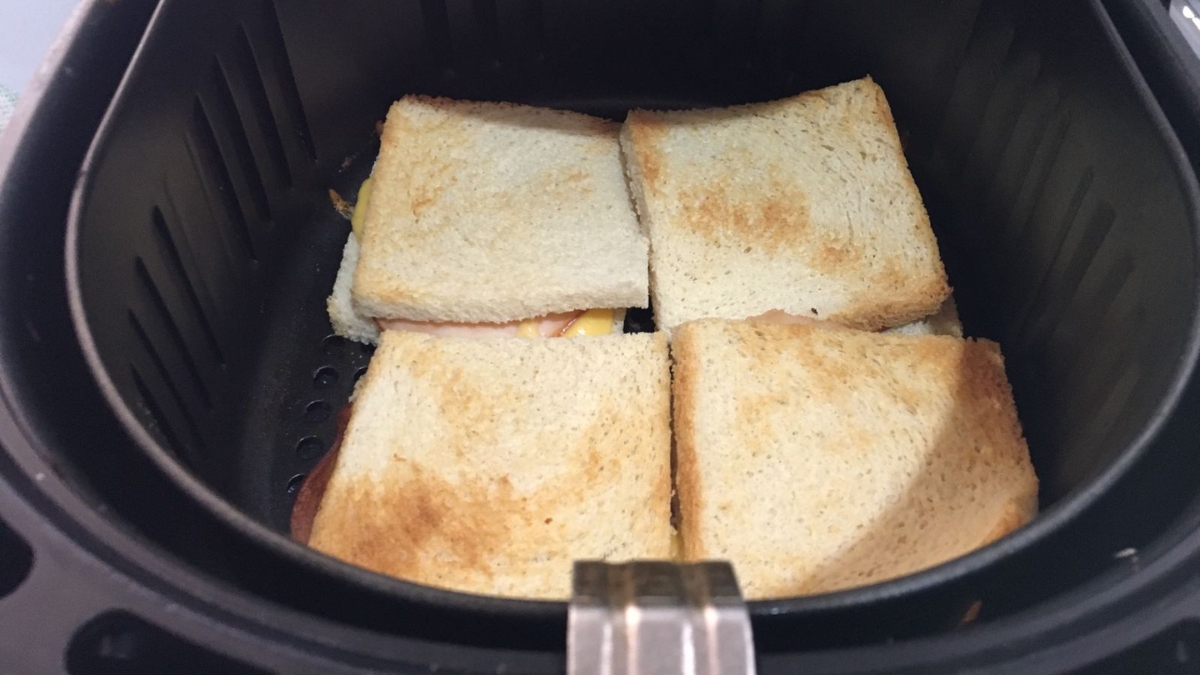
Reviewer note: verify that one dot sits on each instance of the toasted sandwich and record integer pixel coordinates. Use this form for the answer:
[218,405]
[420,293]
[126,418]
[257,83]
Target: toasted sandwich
[822,458]
[489,465]
[492,219]
[802,208]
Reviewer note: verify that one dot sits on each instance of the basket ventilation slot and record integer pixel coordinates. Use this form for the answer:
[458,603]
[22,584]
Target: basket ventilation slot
[248,177]
[247,66]
[167,320]
[280,65]
[174,262]
[165,376]
[212,167]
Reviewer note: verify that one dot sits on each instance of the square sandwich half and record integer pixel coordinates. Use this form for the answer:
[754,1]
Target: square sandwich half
[488,465]
[798,208]
[821,458]
[491,218]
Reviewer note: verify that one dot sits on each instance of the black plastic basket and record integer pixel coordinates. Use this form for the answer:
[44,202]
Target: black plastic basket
[169,375]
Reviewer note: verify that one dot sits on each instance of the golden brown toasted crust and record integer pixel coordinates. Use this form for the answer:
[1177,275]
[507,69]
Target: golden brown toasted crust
[1011,520]
[878,313]
[407,510]
[778,221]
[899,452]
[524,210]
[407,516]
[798,204]
[489,465]
[888,311]
[918,301]
[687,474]
[645,131]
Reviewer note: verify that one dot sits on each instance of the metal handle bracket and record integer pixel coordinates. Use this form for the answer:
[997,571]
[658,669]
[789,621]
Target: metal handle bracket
[658,618]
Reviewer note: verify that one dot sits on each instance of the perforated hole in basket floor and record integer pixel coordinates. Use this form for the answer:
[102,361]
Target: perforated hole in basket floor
[317,411]
[310,447]
[325,377]
[294,483]
[334,345]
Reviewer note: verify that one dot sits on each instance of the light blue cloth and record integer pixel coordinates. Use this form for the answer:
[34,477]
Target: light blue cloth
[8,101]
[27,29]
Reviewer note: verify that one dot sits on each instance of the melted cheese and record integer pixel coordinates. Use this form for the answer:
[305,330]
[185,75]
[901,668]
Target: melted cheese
[529,328]
[360,209]
[591,322]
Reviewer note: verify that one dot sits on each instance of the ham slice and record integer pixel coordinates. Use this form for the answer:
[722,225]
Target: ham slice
[781,317]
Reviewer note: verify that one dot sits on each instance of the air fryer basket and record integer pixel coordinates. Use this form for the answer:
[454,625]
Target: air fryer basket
[203,244]
[161,449]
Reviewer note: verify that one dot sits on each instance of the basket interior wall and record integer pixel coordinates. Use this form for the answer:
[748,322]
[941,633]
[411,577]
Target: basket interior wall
[207,241]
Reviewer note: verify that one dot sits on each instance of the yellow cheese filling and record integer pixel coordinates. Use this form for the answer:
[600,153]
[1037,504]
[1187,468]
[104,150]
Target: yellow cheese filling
[360,210]
[591,322]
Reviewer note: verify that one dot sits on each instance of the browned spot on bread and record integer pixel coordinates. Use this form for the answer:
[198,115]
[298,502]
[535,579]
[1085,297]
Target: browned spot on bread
[1012,518]
[763,352]
[524,499]
[891,275]
[832,256]
[426,193]
[687,470]
[478,413]
[556,185]
[756,414]
[777,219]
[885,311]
[596,466]
[405,519]
[948,477]
[599,447]
[982,378]
[431,176]
[647,133]
[433,167]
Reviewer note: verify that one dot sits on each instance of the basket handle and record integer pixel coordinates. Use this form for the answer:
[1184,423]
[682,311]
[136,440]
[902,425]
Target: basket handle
[658,618]
[1185,15]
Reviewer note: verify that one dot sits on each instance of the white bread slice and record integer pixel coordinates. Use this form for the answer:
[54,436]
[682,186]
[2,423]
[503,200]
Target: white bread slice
[818,459]
[804,205]
[942,322]
[351,325]
[347,322]
[494,212]
[489,465]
